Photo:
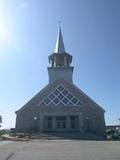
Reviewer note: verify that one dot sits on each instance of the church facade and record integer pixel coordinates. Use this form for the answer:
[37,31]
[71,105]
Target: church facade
[60,106]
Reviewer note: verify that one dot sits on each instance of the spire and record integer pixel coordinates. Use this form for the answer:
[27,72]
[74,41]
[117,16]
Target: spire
[59,43]
[60,61]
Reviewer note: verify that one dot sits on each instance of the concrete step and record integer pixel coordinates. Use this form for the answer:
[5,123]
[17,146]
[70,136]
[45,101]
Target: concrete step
[68,135]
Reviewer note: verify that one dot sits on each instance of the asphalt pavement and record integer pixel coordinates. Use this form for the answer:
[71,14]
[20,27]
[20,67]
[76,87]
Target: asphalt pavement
[61,150]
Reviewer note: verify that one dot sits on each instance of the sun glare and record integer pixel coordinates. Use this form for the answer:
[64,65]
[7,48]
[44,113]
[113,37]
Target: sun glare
[3,23]
[5,32]
[5,28]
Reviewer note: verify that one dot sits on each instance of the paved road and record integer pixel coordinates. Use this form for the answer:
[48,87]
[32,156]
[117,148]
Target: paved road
[61,150]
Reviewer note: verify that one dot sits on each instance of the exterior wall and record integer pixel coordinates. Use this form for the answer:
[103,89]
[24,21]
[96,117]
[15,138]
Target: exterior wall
[65,72]
[94,122]
[89,121]
[25,120]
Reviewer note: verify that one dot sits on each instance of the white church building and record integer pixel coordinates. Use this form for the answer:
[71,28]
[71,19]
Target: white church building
[61,106]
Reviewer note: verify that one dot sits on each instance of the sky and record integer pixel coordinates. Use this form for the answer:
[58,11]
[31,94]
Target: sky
[28,32]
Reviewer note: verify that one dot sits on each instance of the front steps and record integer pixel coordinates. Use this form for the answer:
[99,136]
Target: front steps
[68,135]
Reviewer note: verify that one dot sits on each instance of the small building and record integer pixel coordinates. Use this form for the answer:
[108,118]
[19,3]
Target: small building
[112,127]
[61,106]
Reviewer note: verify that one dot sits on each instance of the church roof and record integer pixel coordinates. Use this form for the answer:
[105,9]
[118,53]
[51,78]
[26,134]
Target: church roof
[59,48]
[82,99]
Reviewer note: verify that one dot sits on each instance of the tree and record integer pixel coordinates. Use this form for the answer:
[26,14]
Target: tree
[0,120]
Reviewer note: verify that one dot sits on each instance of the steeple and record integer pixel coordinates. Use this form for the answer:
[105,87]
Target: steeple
[59,43]
[60,61]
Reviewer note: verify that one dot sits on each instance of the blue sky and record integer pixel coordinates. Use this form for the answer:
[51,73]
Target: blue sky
[91,33]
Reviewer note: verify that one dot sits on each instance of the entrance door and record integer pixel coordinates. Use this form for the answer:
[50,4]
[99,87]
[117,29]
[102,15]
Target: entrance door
[60,123]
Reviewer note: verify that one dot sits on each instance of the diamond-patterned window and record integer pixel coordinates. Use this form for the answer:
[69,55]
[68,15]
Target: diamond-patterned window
[74,100]
[65,92]
[56,92]
[65,100]
[60,88]
[70,103]
[52,96]
[43,103]
[79,103]
[51,104]
[61,96]
[56,100]
[69,96]
[47,100]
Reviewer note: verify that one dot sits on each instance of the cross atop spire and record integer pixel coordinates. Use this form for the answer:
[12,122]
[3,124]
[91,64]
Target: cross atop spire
[59,43]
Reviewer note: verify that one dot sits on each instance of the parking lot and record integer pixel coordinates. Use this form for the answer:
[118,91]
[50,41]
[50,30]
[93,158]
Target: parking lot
[61,150]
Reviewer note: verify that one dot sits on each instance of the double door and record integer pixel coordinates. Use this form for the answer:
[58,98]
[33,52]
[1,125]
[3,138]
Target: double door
[60,123]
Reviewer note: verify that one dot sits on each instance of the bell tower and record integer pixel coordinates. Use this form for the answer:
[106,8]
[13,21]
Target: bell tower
[60,61]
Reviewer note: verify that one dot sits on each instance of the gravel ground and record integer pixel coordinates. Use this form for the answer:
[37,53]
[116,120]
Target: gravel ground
[61,150]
